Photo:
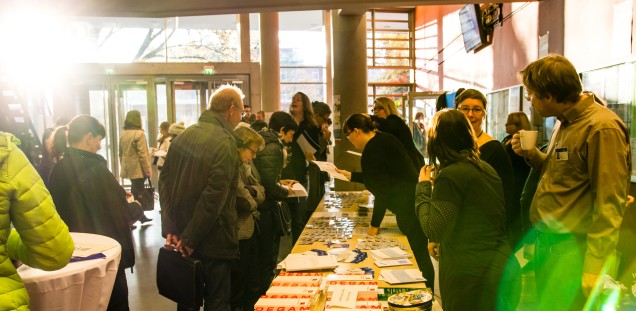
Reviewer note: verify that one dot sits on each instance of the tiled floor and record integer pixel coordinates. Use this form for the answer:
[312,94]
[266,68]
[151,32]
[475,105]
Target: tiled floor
[143,294]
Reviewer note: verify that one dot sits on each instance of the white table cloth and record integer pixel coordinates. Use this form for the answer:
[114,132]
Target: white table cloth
[80,286]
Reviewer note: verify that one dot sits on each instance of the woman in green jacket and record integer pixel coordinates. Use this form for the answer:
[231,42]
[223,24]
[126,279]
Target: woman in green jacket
[40,238]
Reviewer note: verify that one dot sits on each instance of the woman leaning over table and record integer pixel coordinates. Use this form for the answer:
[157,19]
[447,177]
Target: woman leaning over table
[391,177]
[462,212]
[250,193]
[90,199]
[39,238]
[472,104]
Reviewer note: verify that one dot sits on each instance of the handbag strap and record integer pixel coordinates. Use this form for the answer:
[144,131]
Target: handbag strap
[149,181]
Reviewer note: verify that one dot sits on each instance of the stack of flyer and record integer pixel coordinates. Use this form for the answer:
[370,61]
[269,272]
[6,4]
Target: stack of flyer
[353,292]
[290,291]
[392,256]
[300,262]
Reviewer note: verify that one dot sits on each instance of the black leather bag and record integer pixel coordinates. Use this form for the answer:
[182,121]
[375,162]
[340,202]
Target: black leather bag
[180,278]
[147,196]
[282,219]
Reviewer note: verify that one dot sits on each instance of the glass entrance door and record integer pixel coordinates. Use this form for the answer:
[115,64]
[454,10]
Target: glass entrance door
[190,99]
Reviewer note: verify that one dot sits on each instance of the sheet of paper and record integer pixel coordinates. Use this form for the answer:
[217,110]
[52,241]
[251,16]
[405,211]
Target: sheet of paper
[393,262]
[401,276]
[389,253]
[295,262]
[345,298]
[85,249]
[331,169]
[305,145]
[299,190]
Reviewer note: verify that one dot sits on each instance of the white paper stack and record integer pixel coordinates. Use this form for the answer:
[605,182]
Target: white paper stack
[401,276]
[298,262]
[393,262]
[389,253]
[299,191]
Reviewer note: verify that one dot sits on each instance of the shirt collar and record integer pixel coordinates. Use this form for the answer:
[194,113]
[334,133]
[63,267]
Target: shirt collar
[571,114]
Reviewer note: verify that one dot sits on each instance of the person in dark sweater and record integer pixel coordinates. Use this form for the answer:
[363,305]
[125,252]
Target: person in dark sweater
[269,162]
[89,198]
[472,104]
[391,178]
[386,115]
[464,217]
[521,169]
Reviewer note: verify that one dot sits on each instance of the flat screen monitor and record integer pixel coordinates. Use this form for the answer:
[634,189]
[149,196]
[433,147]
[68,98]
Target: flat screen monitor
[473,31]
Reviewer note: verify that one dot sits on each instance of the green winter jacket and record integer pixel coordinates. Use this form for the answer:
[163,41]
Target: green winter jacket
[40,238]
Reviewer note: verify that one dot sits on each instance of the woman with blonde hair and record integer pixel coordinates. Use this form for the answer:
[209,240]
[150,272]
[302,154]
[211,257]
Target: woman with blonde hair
[250,194]
[386,115]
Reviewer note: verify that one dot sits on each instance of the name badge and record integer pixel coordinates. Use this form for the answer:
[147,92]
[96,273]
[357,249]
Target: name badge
[561,154]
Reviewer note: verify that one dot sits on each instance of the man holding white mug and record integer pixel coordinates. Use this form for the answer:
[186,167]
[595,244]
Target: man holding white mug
[578,207]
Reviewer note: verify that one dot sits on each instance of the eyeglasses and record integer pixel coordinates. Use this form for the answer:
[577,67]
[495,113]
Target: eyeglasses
[252,150]
[347,135]
[376,109]
[476,110]
[527,96]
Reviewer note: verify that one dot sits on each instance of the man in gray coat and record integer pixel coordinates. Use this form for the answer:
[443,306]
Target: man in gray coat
[197,188]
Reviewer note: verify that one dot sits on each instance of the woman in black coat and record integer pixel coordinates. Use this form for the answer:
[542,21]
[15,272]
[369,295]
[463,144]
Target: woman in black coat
[391,177]
[269,163]
[386,115]
[89,199]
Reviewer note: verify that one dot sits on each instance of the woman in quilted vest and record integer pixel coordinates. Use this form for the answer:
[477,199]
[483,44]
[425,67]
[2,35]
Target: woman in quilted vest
[40,238]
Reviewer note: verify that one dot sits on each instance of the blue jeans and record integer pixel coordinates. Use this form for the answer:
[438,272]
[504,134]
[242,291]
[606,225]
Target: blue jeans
[216,289]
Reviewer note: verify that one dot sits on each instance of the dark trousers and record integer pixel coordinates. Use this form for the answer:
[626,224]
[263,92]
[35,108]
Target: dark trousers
[558,264]
[217,276]
[267,245]
[137,186]
[119,297]
[244,272]
[297,208]
[410,226]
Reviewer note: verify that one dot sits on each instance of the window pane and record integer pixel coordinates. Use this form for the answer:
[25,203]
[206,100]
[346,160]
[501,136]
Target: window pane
[302,39]
[389,75]
[381,62]
[302,74]
[391,35]
[201,38]
[391,53]
[398,16]
[392,90]
[313,91]
[391,25]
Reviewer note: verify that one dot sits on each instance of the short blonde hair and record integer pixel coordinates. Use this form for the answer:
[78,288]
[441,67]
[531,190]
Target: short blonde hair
[225,97]
[248,137]
[387,104]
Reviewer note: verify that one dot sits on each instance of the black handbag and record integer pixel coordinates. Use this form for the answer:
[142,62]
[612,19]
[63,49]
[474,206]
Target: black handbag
[282,219]
[147,196]
[180,278]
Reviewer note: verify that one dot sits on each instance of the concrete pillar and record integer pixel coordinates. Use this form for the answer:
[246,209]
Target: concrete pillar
[244,30]
[270,62]
[349,83]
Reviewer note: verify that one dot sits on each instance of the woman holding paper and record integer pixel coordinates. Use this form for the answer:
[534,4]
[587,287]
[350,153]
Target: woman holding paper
[303,148]
[462,212]
[391,178]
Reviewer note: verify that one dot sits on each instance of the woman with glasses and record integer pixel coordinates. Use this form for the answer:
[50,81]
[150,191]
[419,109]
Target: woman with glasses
[389,121]
[472,104]
[390,176]
[461,210]
[249,195]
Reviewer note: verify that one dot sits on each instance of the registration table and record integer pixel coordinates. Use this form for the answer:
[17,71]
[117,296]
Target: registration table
[83,285]
[347,205]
